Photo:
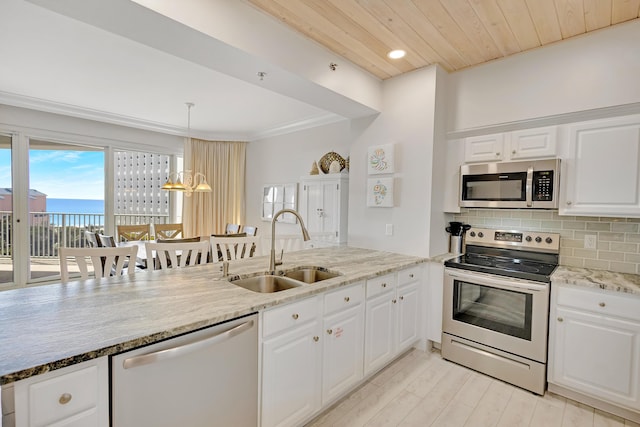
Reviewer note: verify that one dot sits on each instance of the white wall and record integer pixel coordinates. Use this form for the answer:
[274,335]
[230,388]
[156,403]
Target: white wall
[597,70]
[408,121]
[284,159]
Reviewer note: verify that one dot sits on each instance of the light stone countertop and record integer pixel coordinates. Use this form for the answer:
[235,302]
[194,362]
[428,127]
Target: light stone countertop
[598,279]
[443,257]
[48,327]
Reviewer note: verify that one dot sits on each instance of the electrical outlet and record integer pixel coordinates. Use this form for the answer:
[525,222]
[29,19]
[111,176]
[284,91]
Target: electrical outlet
[590,241]
[389,230]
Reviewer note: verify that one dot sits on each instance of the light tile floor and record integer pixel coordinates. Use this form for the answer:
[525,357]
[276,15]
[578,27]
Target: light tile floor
[421,389]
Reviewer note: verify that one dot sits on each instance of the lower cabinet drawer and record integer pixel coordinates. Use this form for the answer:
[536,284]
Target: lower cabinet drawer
[607,303]
[290,315]
[380,284]
[408,275]
[69,396]
[344,298]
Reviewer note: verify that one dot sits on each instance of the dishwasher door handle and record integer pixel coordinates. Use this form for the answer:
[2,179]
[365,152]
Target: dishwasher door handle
[170,353]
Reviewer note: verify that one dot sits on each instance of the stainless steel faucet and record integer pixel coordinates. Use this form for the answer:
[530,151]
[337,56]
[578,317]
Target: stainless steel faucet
[305,236]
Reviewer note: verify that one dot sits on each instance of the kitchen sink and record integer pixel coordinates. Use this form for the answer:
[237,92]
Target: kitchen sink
[267,283]
[310,274]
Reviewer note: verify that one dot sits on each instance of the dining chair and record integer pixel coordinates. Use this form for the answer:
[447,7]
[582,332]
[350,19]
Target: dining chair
[134,232]
[283,243]
[92,239]
[106,241]
[176,255]
[250,230]
[232,228]
[233,248]
[167,231]
[116,261]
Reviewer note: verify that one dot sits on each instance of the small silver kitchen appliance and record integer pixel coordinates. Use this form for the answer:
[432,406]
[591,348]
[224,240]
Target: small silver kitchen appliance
[456,232]
[496,305]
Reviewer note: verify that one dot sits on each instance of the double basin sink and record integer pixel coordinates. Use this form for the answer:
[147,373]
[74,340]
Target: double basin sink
[268,283]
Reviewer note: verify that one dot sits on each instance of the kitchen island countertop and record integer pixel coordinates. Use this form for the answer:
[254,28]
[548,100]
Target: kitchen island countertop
[52,326]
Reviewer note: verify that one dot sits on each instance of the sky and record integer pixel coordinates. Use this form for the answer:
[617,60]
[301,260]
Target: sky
[61,174]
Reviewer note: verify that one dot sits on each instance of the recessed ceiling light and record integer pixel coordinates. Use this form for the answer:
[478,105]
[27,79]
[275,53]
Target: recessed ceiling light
[396,54]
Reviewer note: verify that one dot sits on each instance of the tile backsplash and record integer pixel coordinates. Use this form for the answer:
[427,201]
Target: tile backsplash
[617,239]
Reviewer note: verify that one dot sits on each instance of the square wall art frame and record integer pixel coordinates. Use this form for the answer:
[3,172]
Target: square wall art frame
[380,192]
[380,159]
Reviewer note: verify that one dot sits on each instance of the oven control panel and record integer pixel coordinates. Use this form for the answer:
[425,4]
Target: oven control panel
[532,240]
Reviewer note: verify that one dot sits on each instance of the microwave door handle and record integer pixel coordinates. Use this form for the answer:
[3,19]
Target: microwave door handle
[529,187]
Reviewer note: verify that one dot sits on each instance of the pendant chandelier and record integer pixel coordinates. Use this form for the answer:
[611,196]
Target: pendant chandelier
[185,181]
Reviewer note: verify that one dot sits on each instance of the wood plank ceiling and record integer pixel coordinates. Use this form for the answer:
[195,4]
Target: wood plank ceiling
[453,33]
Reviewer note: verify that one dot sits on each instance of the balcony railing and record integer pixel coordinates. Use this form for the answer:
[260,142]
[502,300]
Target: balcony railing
[50,230]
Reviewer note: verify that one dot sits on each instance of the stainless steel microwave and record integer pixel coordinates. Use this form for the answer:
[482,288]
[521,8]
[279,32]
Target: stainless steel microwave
[527,184]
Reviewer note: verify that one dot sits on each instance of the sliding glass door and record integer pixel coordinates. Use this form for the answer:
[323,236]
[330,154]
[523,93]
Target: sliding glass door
[6,211]
[66,198]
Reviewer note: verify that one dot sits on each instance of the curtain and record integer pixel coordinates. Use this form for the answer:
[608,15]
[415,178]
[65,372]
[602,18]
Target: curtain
[223,163]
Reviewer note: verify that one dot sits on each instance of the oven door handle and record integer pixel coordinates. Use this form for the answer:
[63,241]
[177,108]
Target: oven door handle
[529,187]
[484,279]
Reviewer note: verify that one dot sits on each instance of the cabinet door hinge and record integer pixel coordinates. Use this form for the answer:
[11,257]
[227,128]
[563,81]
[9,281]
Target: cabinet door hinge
[337,186]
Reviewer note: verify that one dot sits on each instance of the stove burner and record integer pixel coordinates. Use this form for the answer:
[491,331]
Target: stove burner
[517,267]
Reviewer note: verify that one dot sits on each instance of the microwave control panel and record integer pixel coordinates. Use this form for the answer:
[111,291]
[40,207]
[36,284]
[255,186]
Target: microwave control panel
[543,186]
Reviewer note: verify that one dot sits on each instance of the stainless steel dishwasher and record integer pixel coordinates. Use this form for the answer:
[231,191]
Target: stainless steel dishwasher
[204,378]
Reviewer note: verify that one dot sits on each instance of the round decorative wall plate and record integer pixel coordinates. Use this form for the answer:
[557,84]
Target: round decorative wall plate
[325,161]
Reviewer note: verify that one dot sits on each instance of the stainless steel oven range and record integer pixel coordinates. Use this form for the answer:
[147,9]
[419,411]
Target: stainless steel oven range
[496,305]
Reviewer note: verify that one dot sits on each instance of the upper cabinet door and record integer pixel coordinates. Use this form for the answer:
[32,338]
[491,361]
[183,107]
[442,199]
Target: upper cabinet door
[533,143]
[602,175]
[484,148]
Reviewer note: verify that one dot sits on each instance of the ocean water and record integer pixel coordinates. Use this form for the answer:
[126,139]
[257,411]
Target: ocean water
[75,206]
[79,212]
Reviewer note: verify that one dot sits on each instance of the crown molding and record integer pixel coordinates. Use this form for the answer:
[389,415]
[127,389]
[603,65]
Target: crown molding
[297,126]
[39,104]
[560,119]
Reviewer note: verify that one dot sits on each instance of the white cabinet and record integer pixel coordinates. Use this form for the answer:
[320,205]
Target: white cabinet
[408,307]
[76,395]
[517,145]
[380,328]
[606,327]
[343,343]
[312,352]
[484,148]
[392,316]
[533,143]
[323,206]
[291,363]
[602,169]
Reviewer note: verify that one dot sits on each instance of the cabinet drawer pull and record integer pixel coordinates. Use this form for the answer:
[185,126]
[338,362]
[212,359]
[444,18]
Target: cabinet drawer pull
[560,319]
[498,153]
[65,398]
[513,152]
[394,300]
[568,202]
[411,276]
[384,285]
[602,304]
[295,316]
[316,338]
[346,299]
[401,298]
[329,331]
